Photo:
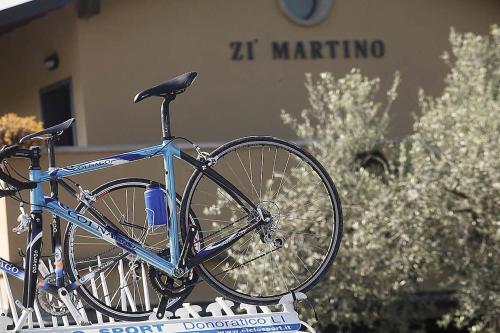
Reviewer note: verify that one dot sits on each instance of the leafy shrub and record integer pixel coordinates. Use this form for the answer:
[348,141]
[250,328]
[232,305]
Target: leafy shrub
[14,127]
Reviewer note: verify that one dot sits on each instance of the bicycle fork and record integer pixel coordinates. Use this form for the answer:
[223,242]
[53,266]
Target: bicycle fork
[34,253]
[33,257]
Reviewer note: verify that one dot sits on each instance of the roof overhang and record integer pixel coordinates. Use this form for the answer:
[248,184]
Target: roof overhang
[22,13]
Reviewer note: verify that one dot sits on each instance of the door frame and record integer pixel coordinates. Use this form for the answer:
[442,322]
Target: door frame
[64,82]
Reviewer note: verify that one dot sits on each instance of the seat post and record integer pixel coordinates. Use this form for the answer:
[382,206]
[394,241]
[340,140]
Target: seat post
[165,116]
[56,221]
[51,152]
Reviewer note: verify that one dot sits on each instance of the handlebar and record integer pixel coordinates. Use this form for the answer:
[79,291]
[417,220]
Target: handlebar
[7,193]
[7,151]
[15,185]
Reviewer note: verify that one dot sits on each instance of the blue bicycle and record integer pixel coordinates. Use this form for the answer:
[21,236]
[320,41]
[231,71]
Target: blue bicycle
[259,218]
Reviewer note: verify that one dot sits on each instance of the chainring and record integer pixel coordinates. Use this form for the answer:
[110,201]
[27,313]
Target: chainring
[52,304]
[168,286]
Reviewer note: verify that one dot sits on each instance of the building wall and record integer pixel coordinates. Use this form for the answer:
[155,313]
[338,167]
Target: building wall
[22,72]
[126,48]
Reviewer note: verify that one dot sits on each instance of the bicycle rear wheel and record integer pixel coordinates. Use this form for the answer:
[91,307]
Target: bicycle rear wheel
[291,253]
[125,291]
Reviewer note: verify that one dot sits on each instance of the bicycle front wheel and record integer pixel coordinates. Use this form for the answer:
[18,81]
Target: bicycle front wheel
[129,289]
[289,254]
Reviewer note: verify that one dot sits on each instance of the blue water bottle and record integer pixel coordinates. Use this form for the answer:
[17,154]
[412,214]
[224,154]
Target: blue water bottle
[156,208]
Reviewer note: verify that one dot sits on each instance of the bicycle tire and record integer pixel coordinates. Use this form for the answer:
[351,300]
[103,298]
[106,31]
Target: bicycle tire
[190,192]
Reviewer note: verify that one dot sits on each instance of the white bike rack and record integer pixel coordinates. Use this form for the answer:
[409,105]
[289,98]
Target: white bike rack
[219,317]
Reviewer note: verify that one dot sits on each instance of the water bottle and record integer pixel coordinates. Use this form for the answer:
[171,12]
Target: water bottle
[156,207]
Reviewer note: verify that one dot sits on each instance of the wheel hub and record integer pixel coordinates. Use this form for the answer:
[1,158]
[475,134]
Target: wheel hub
[270,214]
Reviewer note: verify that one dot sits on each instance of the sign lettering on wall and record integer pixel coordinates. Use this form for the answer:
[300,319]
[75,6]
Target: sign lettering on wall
[313,49]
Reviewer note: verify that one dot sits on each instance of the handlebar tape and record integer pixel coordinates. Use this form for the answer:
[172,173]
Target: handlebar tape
[7,193]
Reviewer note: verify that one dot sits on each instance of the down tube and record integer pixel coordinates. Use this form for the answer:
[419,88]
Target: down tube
[109,235]
[12,270]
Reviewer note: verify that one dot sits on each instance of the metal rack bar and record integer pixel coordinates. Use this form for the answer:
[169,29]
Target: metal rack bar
[188,318]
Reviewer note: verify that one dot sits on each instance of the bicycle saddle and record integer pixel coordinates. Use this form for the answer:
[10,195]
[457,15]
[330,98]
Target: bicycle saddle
[54,130]
[173,87]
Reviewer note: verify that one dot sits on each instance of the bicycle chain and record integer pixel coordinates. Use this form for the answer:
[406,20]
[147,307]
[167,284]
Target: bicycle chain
[223,228]
[238,266]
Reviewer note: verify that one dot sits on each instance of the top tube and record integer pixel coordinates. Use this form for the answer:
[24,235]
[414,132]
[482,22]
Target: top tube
[164,149]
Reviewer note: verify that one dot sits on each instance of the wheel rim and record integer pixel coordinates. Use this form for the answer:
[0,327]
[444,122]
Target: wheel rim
[135,273]
[264,184]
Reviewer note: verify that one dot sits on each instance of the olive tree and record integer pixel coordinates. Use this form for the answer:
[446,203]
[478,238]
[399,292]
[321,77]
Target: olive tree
[455,159]
[381,259]
[428,221]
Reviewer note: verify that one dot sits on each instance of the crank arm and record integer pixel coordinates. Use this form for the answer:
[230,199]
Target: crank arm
[64,296]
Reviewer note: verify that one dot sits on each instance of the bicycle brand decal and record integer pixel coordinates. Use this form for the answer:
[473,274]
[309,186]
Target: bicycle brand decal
[103,231]
[98,164]
[90,165]
[87,166]
[11,269]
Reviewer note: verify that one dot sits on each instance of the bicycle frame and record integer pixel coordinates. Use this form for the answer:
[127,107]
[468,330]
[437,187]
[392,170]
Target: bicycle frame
[167,150]
[39,202]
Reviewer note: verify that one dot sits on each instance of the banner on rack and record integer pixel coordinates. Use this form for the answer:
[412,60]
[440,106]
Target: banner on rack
[258,323]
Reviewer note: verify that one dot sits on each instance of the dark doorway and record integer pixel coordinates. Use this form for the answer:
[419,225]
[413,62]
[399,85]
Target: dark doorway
[57,106]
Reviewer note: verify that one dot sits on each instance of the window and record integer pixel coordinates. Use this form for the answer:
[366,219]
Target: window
[56,104]
[306,12]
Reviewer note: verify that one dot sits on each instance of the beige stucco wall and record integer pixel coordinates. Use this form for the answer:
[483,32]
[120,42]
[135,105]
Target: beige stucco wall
[129,47]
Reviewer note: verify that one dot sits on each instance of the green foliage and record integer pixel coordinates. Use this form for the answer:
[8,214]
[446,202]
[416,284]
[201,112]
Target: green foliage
[431,220]
[379,260]
[14,127]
